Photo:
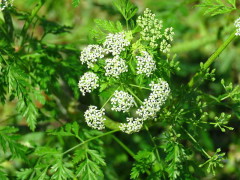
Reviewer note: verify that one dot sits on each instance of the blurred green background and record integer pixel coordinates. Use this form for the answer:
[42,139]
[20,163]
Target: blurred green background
[197,37]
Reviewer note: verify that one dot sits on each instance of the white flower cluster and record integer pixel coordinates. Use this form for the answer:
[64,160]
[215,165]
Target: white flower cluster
[132,125]
[145,64]
[94,118]
[91,54]
[116,43]
[5,3]
[237,25]
[88,82]
[115,66]
[122,101]
[158,96]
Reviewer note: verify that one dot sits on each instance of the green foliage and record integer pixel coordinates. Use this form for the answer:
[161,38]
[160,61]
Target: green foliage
[89,164]
[215,7]
[8,142]
[126,8]
[144,161]
[215,161]
[75,2]
[103,27]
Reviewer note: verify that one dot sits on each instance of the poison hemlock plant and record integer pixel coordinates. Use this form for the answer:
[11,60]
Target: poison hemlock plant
[126,80]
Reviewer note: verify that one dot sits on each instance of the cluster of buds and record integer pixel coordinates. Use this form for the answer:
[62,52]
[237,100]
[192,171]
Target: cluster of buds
[152,31]
[151,27]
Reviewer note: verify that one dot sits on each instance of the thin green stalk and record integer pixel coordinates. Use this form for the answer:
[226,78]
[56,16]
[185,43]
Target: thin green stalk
[129,151]
[108,99]
[139,100]
[133,85]
[195,141]
[157,153]
[93,138]
[213,57]
[8,21]
[28,23]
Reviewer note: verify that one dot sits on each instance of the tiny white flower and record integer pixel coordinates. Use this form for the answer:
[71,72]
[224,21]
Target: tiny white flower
[91,54]
[145,64]
[122,101]
[114,67]
[94,117]
[237,25]
[88,82]
[133,125]
[115,43]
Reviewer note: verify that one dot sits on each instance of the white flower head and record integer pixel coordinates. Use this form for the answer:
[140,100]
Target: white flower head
[115,43]
[158,96]
[95,118]
[133,125]
[88,82]
[145,64]
[115,66]
[91,54]
[237,25]
[122,101]
[168,33]
[165,46]
[5,3]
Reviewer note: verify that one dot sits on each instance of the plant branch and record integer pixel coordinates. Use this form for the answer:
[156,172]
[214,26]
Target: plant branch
[93,138]
[213,57]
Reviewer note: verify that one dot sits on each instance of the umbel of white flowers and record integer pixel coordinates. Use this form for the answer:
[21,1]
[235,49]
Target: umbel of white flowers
[237,25]
[148,110]
[88,82]
[95,118]
[5,3]
[122,101]
[115,66]
[145,64]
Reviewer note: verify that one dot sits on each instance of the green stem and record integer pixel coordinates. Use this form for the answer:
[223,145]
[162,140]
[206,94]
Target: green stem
[129,151]
[139,100]
[213,57]
[195,141]
[133,85]
[93,138]
[157,153]
[108,99]
[29,22]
